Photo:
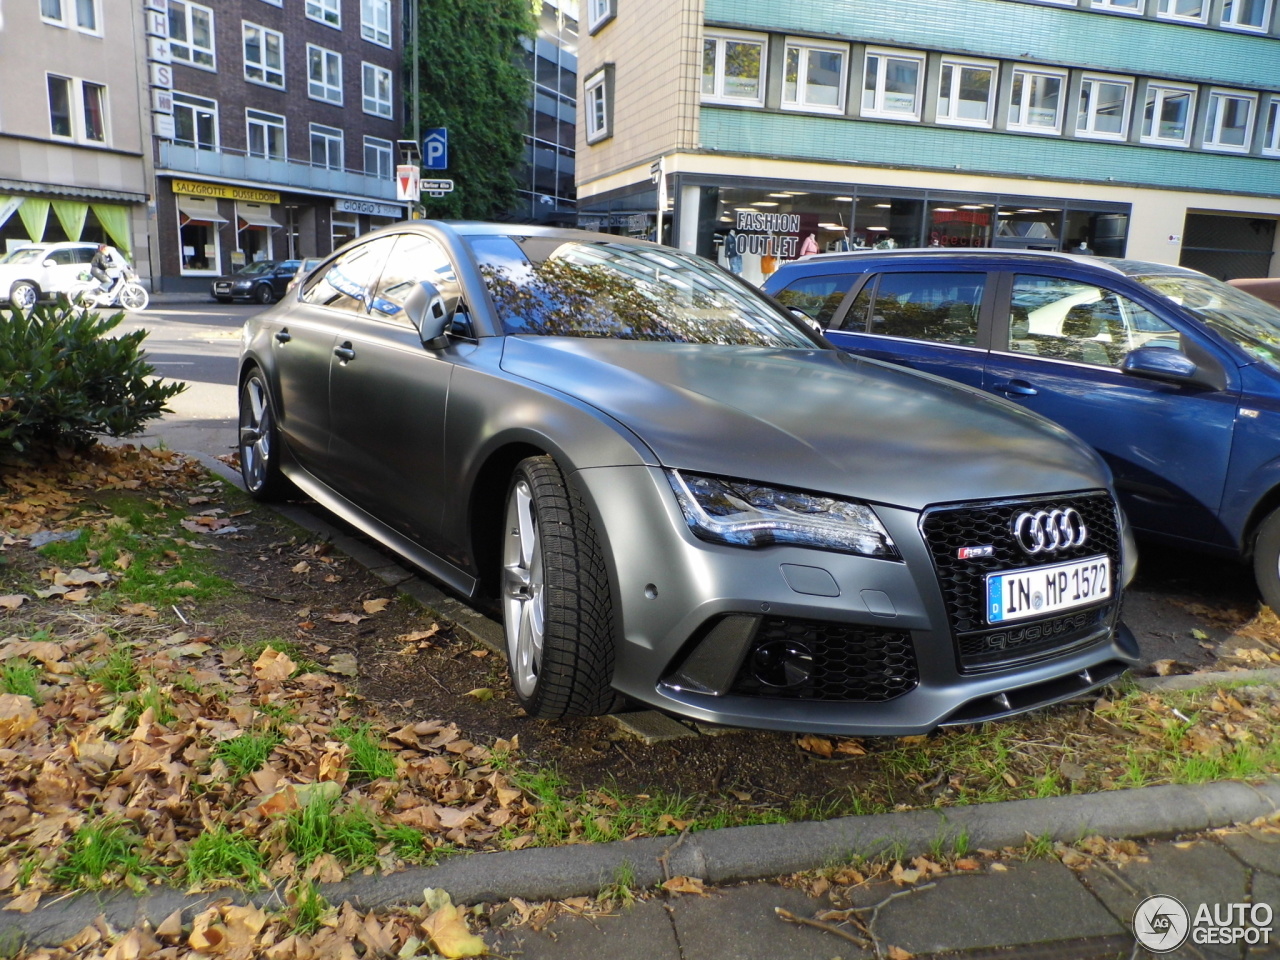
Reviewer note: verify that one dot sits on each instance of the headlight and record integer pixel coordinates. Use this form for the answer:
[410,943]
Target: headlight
[750,515]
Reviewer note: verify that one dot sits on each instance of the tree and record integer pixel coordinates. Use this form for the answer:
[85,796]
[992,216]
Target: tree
[473,83]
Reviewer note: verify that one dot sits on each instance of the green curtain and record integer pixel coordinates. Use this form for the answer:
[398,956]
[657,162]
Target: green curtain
[7,207]
[71,214]
[34,214]
[115,221]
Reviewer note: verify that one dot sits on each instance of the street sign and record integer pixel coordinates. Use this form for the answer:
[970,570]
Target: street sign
[407,178]
[435,149]
[437,188]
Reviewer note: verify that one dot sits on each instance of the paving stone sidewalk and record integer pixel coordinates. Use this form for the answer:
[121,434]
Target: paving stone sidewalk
[1030,910]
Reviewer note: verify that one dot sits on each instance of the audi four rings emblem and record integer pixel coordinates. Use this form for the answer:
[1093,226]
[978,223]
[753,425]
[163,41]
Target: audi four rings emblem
[1048,531]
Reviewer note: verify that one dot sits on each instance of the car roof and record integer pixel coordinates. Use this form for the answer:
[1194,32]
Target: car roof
[1117,265]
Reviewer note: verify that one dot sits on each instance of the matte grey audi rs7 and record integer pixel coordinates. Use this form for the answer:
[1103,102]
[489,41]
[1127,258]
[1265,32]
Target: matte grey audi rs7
[677,493]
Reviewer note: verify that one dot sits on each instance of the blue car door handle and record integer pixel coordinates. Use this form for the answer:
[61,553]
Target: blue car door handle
[1019,388]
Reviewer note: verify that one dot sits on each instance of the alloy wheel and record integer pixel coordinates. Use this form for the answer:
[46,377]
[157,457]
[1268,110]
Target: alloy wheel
[524,604]
[255,434]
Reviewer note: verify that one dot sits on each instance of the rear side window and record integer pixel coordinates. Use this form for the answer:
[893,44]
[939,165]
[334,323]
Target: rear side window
[939,307]
[817,297]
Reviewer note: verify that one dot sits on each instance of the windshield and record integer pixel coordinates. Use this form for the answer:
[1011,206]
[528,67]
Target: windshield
[552,287]
[253,269]
[1251,324]
[23,255]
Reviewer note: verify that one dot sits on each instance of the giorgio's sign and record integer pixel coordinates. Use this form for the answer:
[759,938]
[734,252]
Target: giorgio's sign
[772,234]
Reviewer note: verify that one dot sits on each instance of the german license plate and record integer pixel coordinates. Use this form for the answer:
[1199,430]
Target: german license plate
[1038,591]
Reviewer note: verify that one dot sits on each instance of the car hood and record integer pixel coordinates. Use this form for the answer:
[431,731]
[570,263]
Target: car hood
[814,419]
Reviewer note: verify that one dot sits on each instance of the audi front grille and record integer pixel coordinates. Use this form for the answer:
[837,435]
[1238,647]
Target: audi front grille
[950,530]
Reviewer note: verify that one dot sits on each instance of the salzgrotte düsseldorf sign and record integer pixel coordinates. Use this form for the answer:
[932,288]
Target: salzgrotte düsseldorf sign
[769,234]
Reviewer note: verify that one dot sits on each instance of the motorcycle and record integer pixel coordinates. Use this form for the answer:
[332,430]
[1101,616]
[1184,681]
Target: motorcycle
[127,293]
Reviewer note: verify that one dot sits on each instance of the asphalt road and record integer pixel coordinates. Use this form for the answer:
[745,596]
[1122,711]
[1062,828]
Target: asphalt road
[197,343]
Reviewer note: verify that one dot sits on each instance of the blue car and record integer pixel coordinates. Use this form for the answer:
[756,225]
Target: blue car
[1172,376]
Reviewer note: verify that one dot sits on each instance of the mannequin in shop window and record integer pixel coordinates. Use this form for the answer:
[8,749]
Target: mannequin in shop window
[810,246]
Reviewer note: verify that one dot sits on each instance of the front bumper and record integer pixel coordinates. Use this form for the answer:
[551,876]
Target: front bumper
[687,608]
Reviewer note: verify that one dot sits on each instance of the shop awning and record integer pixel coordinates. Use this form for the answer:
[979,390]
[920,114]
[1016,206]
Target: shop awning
[256,218]
[196,208]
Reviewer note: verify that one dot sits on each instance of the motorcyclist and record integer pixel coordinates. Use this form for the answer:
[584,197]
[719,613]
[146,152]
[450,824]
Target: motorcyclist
[108,268]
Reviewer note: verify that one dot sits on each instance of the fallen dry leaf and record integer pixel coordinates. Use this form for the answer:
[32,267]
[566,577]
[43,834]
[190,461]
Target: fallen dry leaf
[13,601]
[273,665]
[692,885]
[375,606]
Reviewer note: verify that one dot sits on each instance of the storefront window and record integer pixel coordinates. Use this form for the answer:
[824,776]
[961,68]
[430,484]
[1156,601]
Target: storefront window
[956,224]
[886,223]
[345,227]
[198,222]
[1029,228]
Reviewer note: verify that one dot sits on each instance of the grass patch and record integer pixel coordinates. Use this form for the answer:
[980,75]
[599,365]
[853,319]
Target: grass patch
[248,752]
[117,673]
[220,854]
[21,678]
[622,890]
[353,836]
[309,908]
[100,853]
[369,759]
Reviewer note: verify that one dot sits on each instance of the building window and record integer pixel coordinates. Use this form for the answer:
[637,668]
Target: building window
[375,21]
[60,106]
[191,34]
[195,122]
[326,147]
[263,55]
[814,76]
[1103,112]
[1271,145]
[376,87]
[198,222]
[1036,101]
[600,12]
[891,84]
[966,92]
[81,14]
[324,74]
[77,109]
[1246,14]
[266,134]
[326,11]
[1120,6]
[1192,11]
[733,69]
[377,158]
[1167,117]
[597,105]
[1229,124]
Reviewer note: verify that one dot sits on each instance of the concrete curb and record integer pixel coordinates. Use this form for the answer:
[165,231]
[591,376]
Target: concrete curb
[716,856]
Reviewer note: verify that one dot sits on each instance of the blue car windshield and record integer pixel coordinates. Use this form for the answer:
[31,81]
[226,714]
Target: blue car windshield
[1251,324]
[552,287]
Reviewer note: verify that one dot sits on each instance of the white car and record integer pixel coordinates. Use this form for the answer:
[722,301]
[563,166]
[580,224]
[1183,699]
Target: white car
[41,271]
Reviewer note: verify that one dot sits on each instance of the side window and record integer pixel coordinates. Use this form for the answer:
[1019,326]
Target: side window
[345,285]
[84,255]
[63,257]
[1070,320]
[939,307]
[414,259]
[818,297]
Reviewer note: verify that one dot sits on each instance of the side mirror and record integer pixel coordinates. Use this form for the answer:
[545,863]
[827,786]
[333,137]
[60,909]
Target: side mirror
[49,263]
[426,310]
[1162,363]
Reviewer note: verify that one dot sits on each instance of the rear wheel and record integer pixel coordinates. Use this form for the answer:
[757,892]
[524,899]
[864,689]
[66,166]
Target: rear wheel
[134,296]
[1266,560]
[556,603]
[23,295]
[263,293]
[259,441]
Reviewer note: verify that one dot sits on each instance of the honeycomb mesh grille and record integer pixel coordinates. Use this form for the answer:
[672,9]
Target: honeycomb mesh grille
[847,662]
[979,645]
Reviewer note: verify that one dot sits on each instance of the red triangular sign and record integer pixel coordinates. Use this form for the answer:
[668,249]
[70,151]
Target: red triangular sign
[404,185]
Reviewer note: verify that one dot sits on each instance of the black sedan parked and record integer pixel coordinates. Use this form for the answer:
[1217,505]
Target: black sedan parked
[675,492]
[264,281]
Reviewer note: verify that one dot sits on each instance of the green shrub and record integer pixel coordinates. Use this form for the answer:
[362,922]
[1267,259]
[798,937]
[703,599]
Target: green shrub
[62,380]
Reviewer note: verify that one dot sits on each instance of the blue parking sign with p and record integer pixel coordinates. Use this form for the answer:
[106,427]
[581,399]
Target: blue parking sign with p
[435,149]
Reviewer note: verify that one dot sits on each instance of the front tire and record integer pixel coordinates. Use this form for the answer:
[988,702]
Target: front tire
[1266,560]
[259,441]
[134,297]
[263,294]
[557,609]
[23,295]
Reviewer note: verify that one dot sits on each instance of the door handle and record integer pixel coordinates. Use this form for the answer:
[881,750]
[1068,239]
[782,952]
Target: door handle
[1019,388]
[344,352]
[283,336]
